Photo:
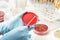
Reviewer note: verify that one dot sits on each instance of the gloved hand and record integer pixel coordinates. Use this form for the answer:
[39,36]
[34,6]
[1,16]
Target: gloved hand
[14,29]
[12,23]
[19,33]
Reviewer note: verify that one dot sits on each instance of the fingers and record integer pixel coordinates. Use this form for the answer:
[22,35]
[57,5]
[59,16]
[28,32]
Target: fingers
[15,33]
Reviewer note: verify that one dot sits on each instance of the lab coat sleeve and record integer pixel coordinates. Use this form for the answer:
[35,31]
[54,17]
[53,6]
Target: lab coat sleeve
[9,25]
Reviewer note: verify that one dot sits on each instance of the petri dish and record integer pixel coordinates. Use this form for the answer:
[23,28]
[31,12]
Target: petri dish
[2,16]
[29,18]
[41,29]
[57,33]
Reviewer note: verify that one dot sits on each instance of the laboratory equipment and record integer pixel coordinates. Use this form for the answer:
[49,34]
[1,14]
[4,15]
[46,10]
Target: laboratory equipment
[57,4]
[57,33]
[51,1]
[44,1]
[29,18]
[2,16]
[41,29]
[46,12]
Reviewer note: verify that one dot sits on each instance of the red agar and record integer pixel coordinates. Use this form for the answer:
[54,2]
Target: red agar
[41,28]
[29,18]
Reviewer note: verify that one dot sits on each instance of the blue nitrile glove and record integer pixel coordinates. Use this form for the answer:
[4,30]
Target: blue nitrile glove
[14,29]
[19,33]
[11,24]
